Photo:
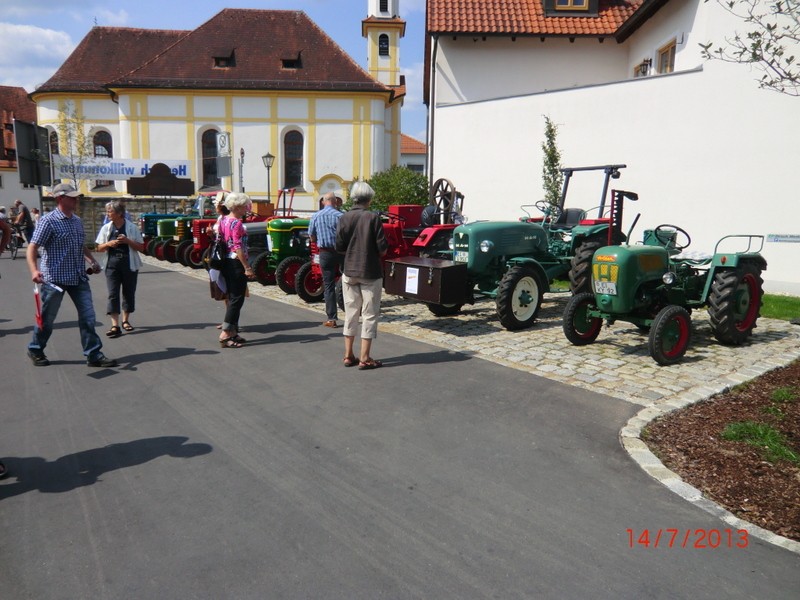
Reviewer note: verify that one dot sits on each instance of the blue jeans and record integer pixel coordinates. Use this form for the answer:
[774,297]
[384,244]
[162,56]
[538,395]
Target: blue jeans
[329,264]
[81,296]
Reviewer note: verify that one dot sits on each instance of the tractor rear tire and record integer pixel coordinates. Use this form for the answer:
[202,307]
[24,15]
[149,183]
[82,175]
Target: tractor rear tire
[580,328]
[519,297]
[194,257]
[264,268]
[445,310]
[670,335]
[180,252]
[734,303]
[580,266]
[308,283]
[286,272]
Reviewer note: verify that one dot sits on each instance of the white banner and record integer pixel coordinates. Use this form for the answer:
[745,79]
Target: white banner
[117,169]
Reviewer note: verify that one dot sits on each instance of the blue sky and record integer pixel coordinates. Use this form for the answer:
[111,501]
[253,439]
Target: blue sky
[37,35]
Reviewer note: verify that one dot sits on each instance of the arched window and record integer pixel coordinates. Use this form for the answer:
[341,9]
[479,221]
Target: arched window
[103,147]
[209,143]
[383,45]
[53,142]
[293,160]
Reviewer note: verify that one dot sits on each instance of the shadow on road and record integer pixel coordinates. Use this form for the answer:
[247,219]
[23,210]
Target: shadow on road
[84,468]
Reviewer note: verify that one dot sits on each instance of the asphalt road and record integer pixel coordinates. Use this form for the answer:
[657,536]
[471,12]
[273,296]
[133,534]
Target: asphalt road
[273,472]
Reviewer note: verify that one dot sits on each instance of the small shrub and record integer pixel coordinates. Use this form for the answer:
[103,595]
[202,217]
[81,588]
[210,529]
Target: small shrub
[784,395]
[762,436]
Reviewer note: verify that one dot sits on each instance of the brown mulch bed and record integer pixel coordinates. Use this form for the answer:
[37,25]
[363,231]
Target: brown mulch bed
[734,474]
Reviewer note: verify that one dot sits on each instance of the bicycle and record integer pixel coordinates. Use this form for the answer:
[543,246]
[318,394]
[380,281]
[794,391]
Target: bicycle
[16,241]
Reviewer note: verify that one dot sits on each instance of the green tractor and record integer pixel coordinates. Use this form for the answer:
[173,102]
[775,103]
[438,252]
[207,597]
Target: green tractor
[656,285]
[287,250]
[513,262]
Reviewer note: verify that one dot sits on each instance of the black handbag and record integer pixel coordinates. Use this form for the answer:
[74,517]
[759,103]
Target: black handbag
[219,251]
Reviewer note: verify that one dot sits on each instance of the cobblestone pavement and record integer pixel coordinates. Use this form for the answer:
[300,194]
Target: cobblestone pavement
[617,364]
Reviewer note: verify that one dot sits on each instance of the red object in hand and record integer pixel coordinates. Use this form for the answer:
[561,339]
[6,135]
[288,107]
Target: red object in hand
[38,303]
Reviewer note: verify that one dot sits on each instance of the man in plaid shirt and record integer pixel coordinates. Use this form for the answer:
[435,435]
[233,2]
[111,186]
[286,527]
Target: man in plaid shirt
[322,231]
[60,237]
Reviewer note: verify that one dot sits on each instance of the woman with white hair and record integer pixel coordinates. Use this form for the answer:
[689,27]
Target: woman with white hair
[236,270]
[360,238]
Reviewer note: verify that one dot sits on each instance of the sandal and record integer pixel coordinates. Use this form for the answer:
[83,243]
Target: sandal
[114,332]
[127,326]
[230,343]
[350,361]
[239,339]
[370,363]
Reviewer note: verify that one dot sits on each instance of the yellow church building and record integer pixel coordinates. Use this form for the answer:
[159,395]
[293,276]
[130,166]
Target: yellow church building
[215,103]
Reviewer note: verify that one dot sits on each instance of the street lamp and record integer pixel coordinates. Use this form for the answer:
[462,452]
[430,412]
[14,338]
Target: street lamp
[268,160]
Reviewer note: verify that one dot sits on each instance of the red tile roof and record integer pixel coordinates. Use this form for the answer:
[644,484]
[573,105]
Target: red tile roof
[409,145]
[523,17]
[259,40]
[105,54]
[14,104]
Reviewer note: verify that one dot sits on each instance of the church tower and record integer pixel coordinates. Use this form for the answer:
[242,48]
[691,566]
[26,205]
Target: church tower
[383,29]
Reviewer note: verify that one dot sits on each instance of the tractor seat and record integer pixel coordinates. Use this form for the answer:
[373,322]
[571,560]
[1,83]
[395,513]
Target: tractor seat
[412,233]
[568,219]
[693,257]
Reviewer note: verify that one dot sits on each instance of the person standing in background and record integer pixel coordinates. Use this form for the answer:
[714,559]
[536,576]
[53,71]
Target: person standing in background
[322,231]
[121,241]
[361,239]
[24,219]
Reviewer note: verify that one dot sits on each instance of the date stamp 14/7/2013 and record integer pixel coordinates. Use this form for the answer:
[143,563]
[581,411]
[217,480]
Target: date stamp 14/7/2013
[687,538]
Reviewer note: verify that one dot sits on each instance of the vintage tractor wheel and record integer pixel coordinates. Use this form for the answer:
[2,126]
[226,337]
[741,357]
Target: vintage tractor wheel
[180,252]
[194,257]
[170,251]
[580,266]
[151,247]
[580,328]
[159,249]
[286,271]
[734,303]
[264,268]
[445,310]
[670,334]
[308,283]
[519,297]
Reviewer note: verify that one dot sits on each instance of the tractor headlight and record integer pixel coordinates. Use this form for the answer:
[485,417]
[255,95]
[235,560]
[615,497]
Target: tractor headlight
[486,245]
[668,278]
[451,244]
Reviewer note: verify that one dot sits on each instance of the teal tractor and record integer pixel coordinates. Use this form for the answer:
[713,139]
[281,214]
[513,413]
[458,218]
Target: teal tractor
[512,262]
[656,285]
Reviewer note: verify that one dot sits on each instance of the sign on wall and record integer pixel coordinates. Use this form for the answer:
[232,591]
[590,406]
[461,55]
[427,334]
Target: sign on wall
[117,169]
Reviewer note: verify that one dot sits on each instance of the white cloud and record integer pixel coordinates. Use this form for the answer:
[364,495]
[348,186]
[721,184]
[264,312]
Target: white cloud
[30,55]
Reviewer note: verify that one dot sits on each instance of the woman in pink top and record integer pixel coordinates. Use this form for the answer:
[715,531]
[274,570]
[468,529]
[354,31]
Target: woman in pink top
[236,270]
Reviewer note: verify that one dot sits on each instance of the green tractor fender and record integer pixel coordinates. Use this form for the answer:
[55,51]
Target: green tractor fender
[531,263]
[730,260]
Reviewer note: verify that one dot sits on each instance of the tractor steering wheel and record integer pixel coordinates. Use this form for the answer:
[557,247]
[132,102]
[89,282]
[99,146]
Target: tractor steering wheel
[663,233]
[550,211]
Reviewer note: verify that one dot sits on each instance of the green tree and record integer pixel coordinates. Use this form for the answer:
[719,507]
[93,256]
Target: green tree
[75,146]
[771,36]
[552,177]
[398,185]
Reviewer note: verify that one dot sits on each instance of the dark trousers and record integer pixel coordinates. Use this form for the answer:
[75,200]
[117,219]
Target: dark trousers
[236,282]
[330,263]
[119,275]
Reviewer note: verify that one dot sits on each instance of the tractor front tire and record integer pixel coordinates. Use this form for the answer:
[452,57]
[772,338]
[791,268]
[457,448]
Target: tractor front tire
[308,283]
[445,310]
[286,272]
[264,269]
[151,247]
[180,252]
[670,335]
[580,266]
[194,257]
[170,251]
[519,297]
[579,328]
[734,303]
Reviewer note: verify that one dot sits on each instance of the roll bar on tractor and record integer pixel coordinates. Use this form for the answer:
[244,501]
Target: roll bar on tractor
[611,172]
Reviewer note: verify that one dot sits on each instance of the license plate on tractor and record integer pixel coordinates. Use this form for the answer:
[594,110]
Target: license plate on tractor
[461,256]
[605,287]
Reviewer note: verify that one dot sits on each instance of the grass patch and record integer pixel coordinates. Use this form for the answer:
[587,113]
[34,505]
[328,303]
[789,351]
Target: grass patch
[762,436]
[785,308]
[784,395]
